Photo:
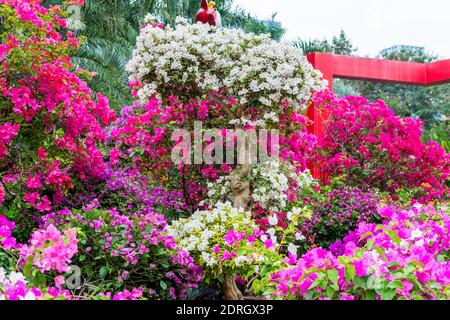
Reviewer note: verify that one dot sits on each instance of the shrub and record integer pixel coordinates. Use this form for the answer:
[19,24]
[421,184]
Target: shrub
[128,191]
[370,147]
[142,137]
[51,125]
[34,271]
[125,251]
[404,258]
[339,213]
[221,240]
[226,79]
[202,59]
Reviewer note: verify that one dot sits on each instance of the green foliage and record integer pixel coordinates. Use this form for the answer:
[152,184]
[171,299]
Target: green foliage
[310,46]
[342,45]
[259,27]
[119,252]
[439,132]
[338,45]
[107,59]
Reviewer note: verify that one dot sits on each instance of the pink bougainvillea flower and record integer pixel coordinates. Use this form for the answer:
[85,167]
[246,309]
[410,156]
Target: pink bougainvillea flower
[233,237]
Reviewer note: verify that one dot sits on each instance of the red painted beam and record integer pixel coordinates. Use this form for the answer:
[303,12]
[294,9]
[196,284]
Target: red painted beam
[438,72]
[324,63]
[379,70]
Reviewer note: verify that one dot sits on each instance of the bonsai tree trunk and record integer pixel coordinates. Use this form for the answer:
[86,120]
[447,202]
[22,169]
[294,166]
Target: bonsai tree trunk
[230,290]
[239,182]
[242,199]
[240,187]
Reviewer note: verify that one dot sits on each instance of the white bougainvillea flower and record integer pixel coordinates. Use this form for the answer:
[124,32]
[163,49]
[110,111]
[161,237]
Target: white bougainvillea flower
[256,70]
[273,220]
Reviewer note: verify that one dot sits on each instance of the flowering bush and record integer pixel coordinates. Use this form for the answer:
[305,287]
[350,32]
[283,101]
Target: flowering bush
[6,228]
[406,257]
[50,249]
[129,251]
[128,191]
[142,137]
[14,286]
[221,240]
[26,269]
[51,126]
[339,213]
[223,78]
[373,148]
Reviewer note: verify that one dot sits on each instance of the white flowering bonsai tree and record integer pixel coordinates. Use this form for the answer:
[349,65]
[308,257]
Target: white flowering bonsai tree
[223,242]
[252,83]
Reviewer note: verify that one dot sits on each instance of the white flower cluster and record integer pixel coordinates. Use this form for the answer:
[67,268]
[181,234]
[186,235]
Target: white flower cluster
[272,235]
[269,183]
[260,123]
[201,232]
[252,68]
[270,186]
[10,280]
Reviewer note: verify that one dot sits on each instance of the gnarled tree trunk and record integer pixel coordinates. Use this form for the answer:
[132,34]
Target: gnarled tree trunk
[230,290]
[242,199]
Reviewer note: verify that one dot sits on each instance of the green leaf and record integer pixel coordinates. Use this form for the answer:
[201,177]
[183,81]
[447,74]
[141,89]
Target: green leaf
[365,235]
[395,284]
[256,285]
[330,292]
[163,284]
[349,272]
[334,277]
[371,295]
[387,294]
[359,283]
[394,236]
[103,271]
[39,280]
[380,251]
[27,270]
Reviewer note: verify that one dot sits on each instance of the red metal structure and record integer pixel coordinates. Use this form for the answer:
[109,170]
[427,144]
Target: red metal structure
[377,70]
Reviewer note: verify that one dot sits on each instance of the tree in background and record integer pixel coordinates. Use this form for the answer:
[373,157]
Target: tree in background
[338,45]
[110,28]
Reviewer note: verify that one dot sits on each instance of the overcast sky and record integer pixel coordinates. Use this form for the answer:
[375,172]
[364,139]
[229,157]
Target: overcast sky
[372,25]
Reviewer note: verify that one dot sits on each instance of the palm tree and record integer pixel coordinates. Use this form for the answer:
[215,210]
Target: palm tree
[310,46]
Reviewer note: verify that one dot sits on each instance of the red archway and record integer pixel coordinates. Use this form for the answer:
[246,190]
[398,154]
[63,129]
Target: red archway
[377,70]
